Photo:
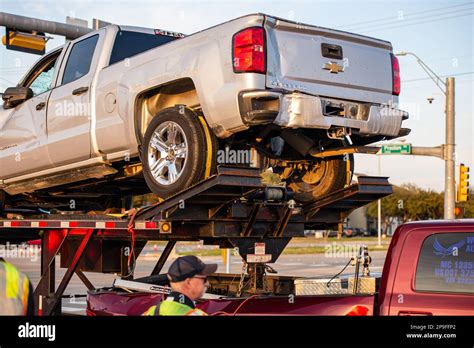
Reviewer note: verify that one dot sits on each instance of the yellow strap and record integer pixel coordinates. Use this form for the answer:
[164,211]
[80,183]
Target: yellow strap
[348,170]
[12,280]
[209,147]
[26,290]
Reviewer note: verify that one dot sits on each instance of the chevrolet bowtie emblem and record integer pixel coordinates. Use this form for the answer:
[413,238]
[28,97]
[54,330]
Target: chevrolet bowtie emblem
[333,67]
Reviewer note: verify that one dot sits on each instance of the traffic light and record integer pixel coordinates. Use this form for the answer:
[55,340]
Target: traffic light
[457,212]
[25,42]
[463,186]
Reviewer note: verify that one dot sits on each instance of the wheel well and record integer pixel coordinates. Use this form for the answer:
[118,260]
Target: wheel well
[150,102]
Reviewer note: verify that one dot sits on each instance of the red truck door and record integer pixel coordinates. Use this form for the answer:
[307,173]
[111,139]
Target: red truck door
[435,273]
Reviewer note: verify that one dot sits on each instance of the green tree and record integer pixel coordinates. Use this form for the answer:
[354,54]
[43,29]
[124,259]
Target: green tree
[407,203]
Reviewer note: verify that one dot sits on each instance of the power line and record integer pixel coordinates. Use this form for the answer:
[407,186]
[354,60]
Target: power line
[409,14]
[458,82]
[449,58]
[428,78]
[13,72]
[13,69]
[4,79]
[409,24]
[410,20]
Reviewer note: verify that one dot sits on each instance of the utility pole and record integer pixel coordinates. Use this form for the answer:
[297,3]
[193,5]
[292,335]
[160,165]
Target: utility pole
[449,194]
[379,209]
[447,87]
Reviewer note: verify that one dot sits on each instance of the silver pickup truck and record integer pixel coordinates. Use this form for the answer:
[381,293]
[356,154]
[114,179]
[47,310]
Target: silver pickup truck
[125,110]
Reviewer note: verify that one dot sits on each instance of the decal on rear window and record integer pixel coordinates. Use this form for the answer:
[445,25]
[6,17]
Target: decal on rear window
[446,263]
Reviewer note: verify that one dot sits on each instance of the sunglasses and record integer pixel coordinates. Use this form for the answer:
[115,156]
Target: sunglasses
[204,278]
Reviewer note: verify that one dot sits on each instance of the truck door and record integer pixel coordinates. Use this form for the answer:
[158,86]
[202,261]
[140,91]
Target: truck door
[69,109]
[23,140]
[437,279]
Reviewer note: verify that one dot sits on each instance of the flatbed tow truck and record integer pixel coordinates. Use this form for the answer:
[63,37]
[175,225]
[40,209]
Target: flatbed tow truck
[232,209]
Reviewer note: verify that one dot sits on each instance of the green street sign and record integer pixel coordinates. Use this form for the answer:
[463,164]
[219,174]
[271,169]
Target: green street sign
[396,149]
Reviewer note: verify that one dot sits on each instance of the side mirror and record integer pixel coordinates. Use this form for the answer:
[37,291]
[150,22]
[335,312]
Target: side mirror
[16,95]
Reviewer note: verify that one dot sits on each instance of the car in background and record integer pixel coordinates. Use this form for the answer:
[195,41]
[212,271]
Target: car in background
[352,232]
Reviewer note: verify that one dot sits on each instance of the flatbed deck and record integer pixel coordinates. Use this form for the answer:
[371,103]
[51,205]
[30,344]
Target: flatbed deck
[231,209]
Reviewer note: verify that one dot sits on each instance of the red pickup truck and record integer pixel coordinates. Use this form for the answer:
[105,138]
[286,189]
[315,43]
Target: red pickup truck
[428,270]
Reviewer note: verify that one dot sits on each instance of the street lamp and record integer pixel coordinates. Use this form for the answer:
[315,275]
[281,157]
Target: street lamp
[448,90]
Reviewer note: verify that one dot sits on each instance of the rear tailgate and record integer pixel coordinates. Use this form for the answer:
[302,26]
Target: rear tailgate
[299,56]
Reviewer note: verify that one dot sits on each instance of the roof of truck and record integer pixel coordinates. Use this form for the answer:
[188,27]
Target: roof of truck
[456,222]
[437,225]
[315,27]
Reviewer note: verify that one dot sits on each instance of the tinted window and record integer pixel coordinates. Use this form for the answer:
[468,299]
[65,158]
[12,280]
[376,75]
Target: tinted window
[130,43]
[80,58]
[446,263]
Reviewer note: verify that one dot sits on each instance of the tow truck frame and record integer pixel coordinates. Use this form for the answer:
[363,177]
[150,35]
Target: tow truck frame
[232,209]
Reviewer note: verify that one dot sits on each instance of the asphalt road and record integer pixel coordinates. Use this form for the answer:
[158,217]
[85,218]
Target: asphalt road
[304,265]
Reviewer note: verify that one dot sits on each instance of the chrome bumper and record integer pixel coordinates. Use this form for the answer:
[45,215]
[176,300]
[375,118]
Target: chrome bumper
[305,111]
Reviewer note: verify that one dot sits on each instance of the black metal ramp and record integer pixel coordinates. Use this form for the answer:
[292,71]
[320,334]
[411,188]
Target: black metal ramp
[228,185]
[336,206]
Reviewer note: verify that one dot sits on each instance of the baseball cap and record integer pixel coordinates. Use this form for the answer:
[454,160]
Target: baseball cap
[187,267]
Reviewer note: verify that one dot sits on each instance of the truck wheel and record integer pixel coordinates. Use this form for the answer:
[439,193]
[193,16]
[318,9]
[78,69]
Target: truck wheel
[178,151]
[327,176]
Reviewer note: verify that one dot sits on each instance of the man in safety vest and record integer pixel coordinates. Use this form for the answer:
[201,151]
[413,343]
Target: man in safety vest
[188,279]
[16,292]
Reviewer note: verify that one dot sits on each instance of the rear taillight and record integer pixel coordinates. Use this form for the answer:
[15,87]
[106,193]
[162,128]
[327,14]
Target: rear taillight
[358,311]
[248,50]
[396,86]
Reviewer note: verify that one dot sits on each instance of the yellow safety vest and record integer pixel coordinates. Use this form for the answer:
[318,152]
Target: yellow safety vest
[14,290]
[169,307]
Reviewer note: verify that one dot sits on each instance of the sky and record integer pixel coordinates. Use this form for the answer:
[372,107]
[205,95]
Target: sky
[440,32]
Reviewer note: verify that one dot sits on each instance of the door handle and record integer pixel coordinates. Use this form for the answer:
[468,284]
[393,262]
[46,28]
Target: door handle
[331,51]
[40,106]
[80,90]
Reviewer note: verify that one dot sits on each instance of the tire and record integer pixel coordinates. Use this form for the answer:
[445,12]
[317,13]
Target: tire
[175,151]
[330,175]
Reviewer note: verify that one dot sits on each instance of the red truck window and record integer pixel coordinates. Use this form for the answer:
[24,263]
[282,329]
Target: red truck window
[446,263]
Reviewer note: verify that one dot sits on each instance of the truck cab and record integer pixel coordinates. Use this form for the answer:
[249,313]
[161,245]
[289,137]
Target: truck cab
[429,270]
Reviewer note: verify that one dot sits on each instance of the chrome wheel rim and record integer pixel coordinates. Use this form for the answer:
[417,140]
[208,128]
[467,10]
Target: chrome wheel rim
[167,153]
